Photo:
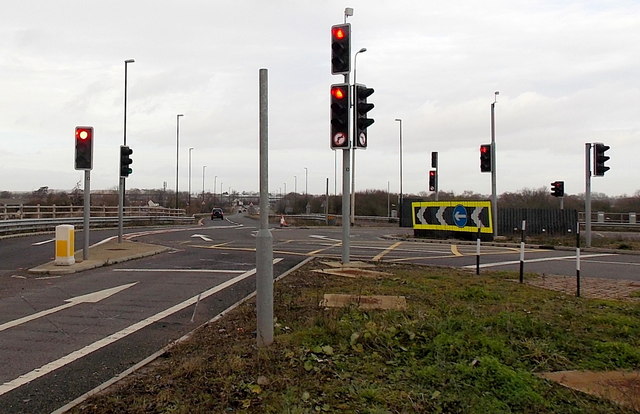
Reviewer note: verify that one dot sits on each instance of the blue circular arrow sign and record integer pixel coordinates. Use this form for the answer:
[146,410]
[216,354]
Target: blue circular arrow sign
[460,215]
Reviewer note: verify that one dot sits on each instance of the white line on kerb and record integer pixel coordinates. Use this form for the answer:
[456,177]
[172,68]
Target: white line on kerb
[67,359]
[180,270]
[542,259]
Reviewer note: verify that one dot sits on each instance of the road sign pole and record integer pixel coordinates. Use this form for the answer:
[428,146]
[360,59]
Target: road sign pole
[587,194]
[86,214]
[494,197]
[524,223]
[264,240]
[120,209]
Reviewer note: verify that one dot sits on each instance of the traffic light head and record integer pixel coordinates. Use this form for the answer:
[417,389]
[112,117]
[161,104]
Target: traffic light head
[433,180]
[84,148]
[125,161]
[340,49]
[599,158]
[361,109]
[340,116]
[557,188]
[485,158]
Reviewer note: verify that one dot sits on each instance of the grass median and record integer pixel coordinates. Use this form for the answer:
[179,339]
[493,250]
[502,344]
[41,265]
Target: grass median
[464,344]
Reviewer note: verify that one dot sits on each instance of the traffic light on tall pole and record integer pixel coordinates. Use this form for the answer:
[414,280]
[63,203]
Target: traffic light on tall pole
[557,188]
[125,161]
[340,49]
[599,158]
[433,180]
[361,108]
[340,99]
[485,158]
[84,148]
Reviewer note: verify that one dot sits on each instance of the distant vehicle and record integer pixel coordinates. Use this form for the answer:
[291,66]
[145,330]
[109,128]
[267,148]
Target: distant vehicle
[217,213]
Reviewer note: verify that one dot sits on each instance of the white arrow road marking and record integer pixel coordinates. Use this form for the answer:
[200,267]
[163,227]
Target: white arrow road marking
[67,359]
[420,215]
[439,215]
[542,259]
[315,236]
[88,298]
[202,236]
[43,242]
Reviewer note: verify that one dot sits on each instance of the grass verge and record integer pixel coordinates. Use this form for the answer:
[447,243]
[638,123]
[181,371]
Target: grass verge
[466,344]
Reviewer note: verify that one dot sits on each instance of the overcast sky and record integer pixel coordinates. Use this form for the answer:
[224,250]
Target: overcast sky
[568,73]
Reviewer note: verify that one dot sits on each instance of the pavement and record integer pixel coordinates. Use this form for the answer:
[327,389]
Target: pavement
[102,254]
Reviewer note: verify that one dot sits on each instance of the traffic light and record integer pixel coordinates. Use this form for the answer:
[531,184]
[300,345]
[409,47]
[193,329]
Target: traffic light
[361,109]
[340,99]
[433,180]
[557,188]
[125,161]
[340,49]
[84,148]
[485,158]
[434,159]
[599,158]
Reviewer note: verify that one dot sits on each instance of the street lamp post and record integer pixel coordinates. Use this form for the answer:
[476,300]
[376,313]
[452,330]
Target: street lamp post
[203,168]
[121,182]
[400,195]
[215,179]
[306,181]
[189,199]
[494,196]
[353,154]
[177,154]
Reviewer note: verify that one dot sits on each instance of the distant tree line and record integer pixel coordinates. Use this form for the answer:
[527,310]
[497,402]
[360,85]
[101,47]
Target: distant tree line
[368,202]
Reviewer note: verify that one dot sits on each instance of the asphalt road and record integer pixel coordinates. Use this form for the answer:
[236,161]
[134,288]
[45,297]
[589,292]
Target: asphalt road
[57,343]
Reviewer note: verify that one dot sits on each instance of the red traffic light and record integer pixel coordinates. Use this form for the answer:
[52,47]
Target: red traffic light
[338,93]
[84,133]
[484,149]
[339,32]
[84,148]
[432,173]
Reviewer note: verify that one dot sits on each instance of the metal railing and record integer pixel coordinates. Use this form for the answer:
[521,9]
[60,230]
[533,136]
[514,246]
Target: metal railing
[21,211]
[600,218]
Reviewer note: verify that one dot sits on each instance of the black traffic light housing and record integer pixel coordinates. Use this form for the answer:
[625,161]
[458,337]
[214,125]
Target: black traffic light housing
[125,161]
[433,180]
[340,49]
[361,108]
[485,158]
[557,188]
[599,158]
[84,148]
[340,99]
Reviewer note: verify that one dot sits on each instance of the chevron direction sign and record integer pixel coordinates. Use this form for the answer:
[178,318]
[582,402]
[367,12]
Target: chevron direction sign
[453,216]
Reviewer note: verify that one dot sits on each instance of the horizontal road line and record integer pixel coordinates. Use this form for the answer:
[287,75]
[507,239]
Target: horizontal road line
[181,270]
[542,259]
[380,255]
[80,353]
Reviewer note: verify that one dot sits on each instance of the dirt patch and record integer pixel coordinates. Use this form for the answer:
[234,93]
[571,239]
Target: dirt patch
[335,300]
[623,387]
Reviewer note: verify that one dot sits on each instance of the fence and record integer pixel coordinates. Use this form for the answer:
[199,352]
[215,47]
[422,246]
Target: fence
[20,211]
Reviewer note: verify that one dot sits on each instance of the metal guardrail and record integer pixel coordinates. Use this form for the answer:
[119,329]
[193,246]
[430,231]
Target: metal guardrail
[35,225]
[22,211]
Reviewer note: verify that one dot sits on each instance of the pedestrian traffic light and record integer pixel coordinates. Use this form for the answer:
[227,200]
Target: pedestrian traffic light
[84,148]
[433,180]
[361,109]
[557,188]
[340,49]
[340,116]
[599,158]
[125,161]
[485,158]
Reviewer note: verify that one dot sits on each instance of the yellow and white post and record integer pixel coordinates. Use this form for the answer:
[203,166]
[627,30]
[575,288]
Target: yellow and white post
[65,245]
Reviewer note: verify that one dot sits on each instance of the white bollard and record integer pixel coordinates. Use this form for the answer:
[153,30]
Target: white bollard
[65,245]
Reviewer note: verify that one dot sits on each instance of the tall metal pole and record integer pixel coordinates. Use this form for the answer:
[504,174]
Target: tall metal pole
[587,194]
[215,179]
[306,181]
[494,196]
[86,214]
[189,198]
[121,181]
[264,240]
[346,197]
[177,154]
[203,169]
[400,195]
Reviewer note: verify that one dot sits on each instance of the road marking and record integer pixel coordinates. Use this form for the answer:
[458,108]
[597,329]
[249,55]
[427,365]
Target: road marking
[43,242]
[455,251]
[542,259]
[82,352]
[380,255]
[316,236]
[180,270]
[202,236]
[88,298]
[318,251]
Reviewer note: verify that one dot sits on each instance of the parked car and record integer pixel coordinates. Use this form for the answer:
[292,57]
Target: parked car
[217,213]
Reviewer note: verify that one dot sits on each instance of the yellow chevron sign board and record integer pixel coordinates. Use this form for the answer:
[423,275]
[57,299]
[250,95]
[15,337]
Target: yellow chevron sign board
[466,216]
